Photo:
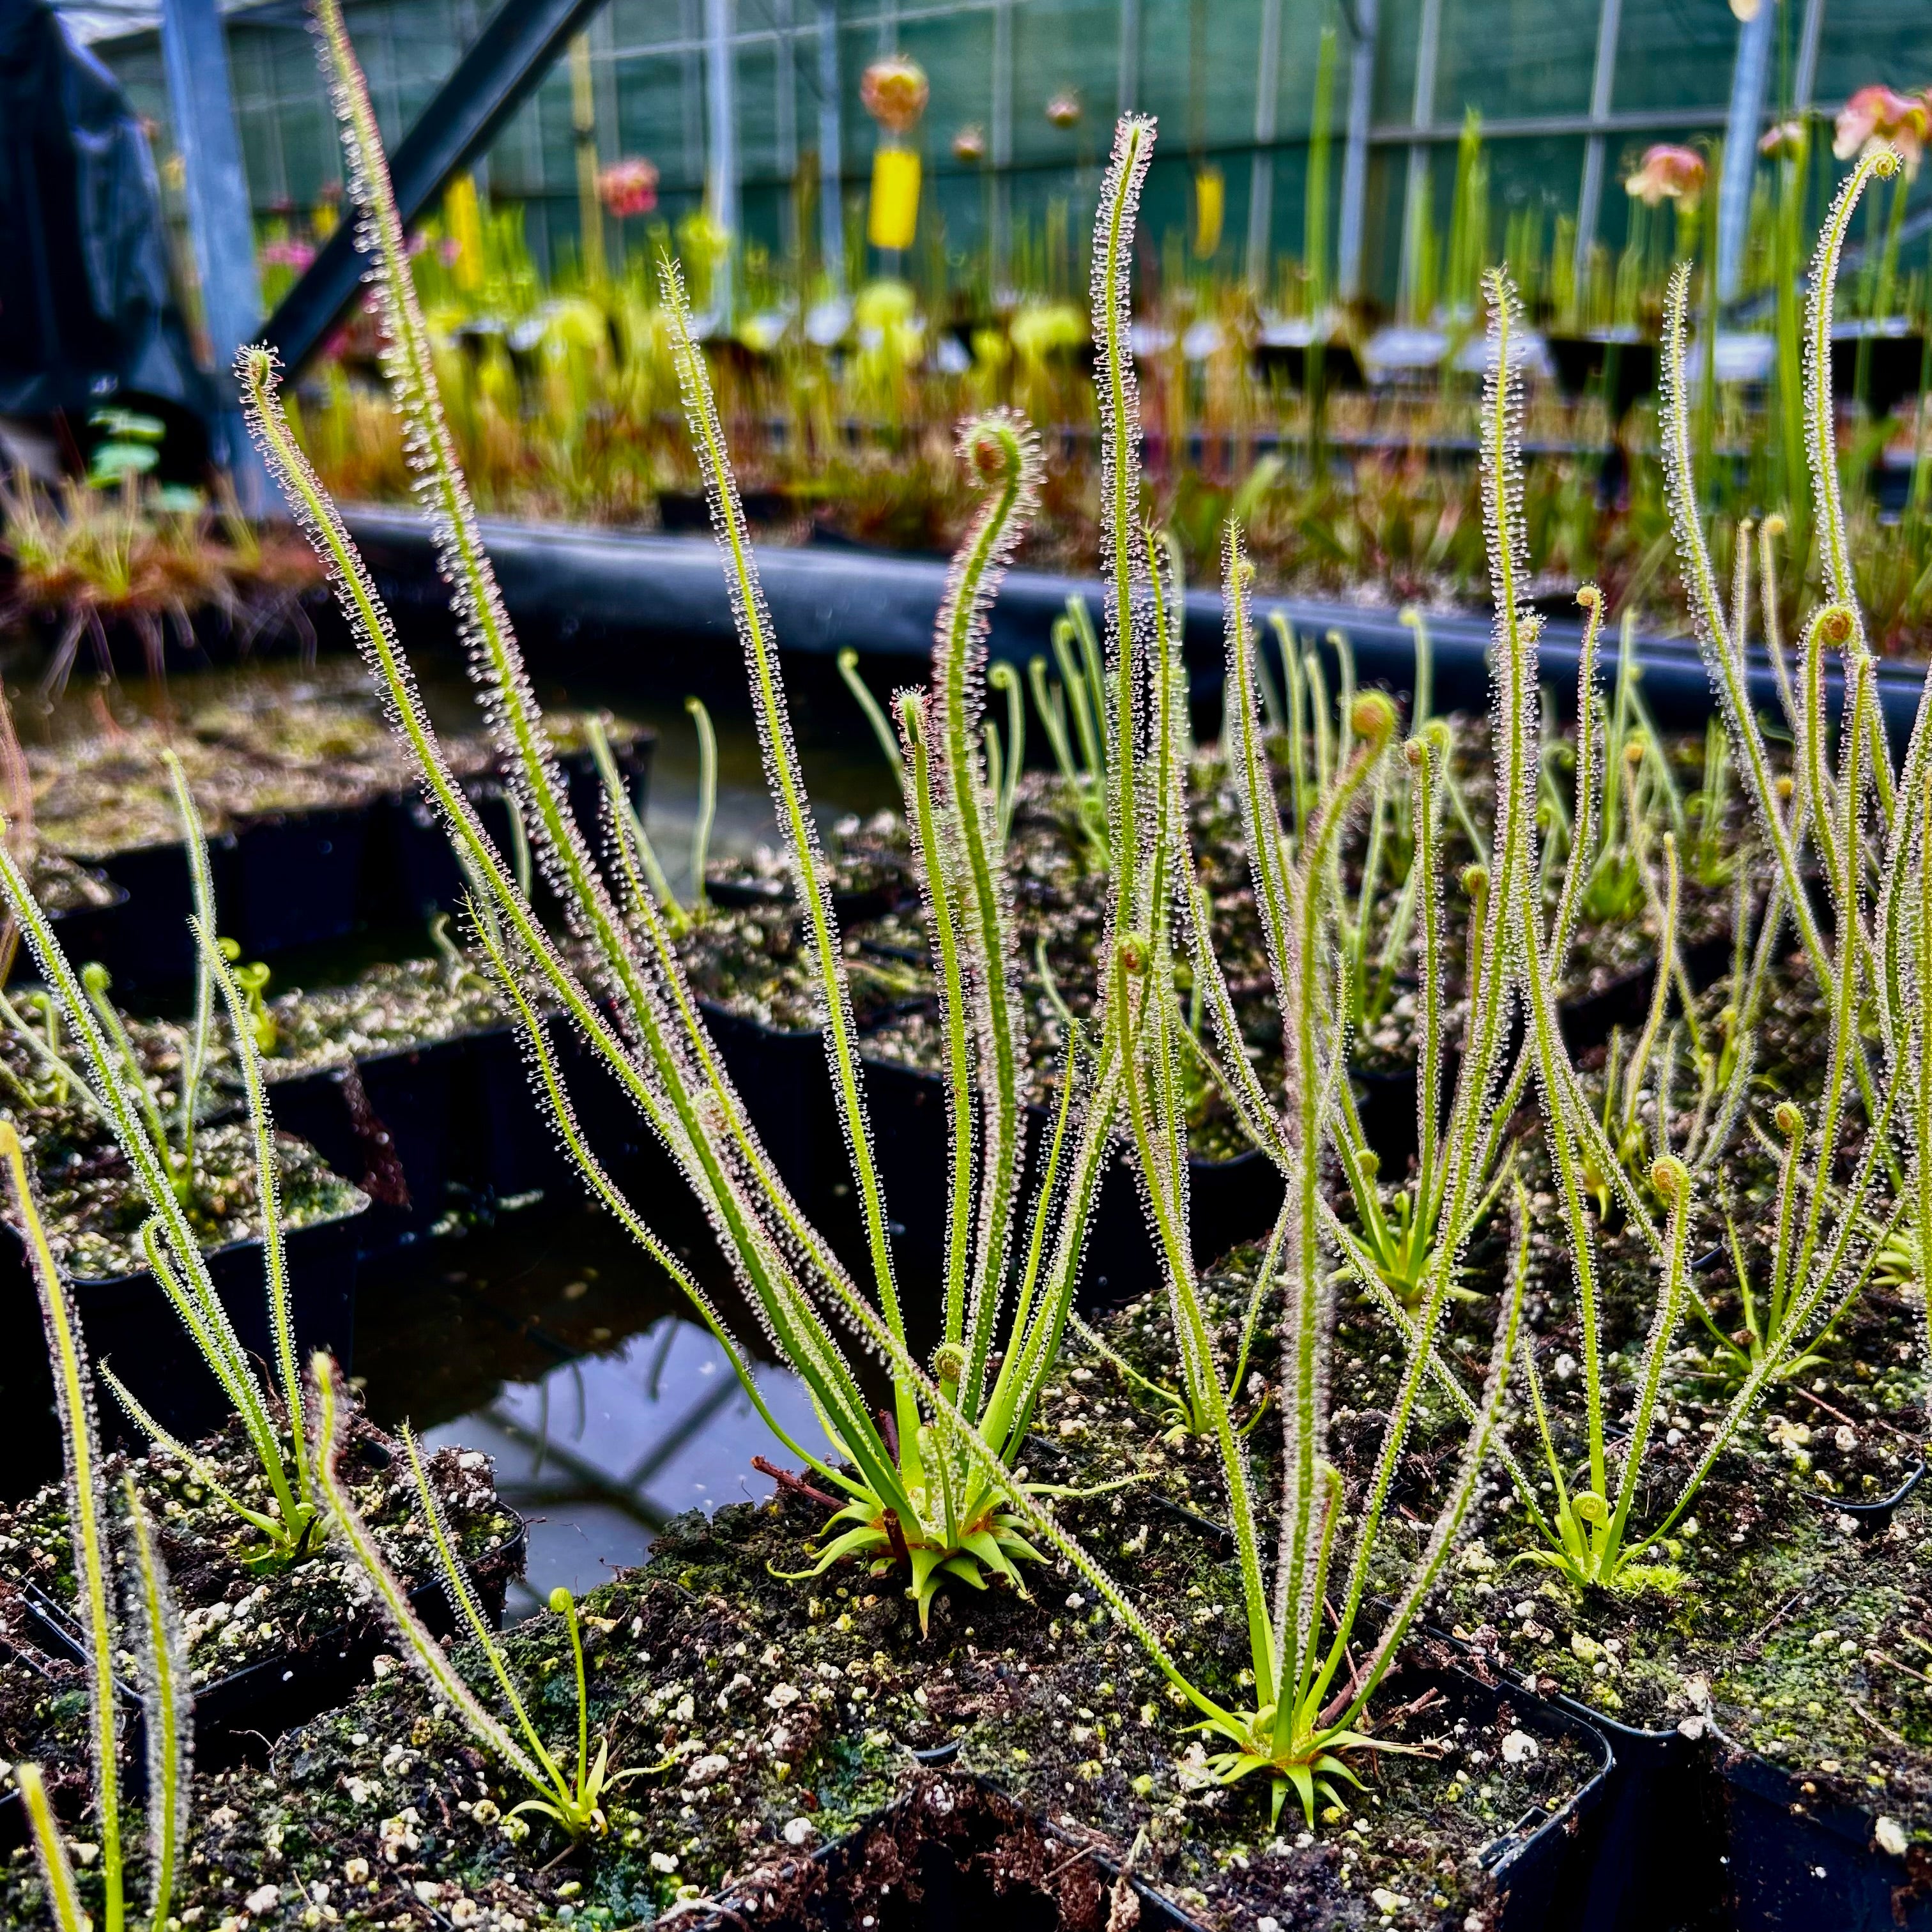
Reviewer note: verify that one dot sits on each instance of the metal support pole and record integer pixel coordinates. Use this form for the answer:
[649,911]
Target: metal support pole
[497,74]
[1355,154]
[785,123]
[1804,81]
[1002,141]
[1414,211]
[1260,180]
[1750,78]
[1590,192]
[220,220]
[831,157]
[583,132]
[721,163]
[1127,95]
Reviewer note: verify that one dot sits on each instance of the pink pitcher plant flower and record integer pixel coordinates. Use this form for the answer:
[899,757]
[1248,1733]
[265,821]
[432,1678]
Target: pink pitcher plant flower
[628,187]
[1878,115]
[1668,172]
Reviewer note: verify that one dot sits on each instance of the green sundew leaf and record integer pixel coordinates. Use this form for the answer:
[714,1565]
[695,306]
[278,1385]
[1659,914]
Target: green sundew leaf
[984,1545]
[963,1566]
[925,1559]
[850,1544]
[111,461]
[1303,1779]
[130,423]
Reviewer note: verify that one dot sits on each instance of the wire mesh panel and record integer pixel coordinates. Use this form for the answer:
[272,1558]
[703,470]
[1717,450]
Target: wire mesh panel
[1024,94]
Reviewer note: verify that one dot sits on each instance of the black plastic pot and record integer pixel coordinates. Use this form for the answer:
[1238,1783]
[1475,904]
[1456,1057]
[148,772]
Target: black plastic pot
[88,932]
[782,1077]
[424,1130]
[296,877]
[1541,1881]
[1652,1847]
[148,939]
[1799,1859]
[686,510]
[1287,362]
[849,908]
[386,1123]
[1229,1201]
[284,879]
[1625,370]
[131,1327]
[955,1822]
[416,873]
[1588,1019]
[1894,357]
[238,1716]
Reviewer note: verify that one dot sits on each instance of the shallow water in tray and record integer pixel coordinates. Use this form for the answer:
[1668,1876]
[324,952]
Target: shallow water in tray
[544,1337]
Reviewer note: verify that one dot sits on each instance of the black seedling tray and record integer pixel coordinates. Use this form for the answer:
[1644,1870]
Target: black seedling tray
[238,1716]
[1800,1860]
[132,1328]
[416,873]
[1654,1843]
[1229,1201]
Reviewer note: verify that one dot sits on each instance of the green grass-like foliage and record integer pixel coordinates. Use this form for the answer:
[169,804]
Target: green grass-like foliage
[148,1625]
[110,1073]
[926,1488]
[573,1799]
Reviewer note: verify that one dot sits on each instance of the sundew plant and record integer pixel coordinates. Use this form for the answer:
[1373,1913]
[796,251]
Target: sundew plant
[287,1525]
[574,1799]
[926,1488]
[134,1613]
[1645,1155]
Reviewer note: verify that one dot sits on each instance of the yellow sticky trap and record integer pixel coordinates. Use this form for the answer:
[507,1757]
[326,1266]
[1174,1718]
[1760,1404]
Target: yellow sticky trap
[893,218]
[1210,206]
[463,220]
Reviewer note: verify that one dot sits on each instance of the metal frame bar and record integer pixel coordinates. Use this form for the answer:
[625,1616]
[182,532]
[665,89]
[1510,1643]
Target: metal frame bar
[1590,189]
[1751,79]
[721,148]
[1364,20]
[1428,39]
[1804,81]
[1126,93]
[1000,222]
[831,154]
[510,56]
[1260,174]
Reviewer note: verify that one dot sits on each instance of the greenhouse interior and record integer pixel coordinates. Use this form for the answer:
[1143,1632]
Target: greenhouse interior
[966,955]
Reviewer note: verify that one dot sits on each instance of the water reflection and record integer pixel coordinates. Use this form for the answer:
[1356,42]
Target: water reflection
[547,1340]
[601,1452]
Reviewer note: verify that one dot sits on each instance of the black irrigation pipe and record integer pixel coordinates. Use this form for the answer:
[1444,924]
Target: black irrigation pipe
[571,584]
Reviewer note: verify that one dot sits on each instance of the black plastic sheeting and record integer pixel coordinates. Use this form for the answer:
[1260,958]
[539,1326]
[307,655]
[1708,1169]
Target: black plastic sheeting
[87,315]
[647,587]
